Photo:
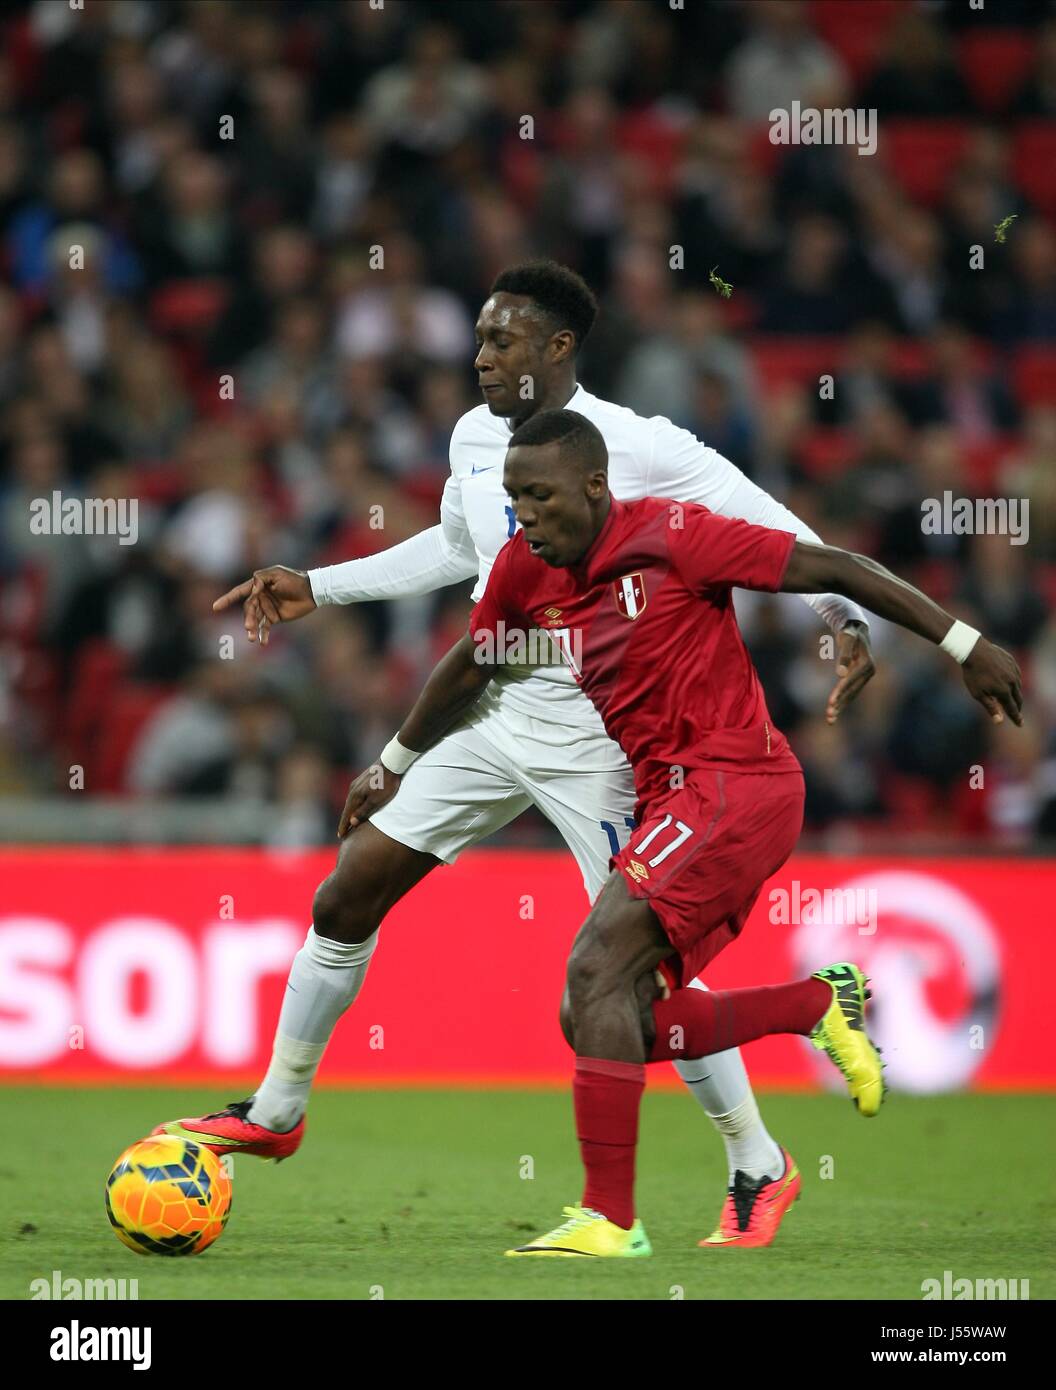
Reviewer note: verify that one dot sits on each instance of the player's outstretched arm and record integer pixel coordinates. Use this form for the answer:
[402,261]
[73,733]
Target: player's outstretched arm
[456,682]
[682,467]
[443,554]
[440,555]
[855,664]
[991,674]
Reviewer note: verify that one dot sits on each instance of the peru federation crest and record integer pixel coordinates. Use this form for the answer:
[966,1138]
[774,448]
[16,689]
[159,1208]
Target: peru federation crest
[630,595]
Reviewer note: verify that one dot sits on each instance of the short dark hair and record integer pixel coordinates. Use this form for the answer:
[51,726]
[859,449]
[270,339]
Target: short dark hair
[580,439]
[563,296]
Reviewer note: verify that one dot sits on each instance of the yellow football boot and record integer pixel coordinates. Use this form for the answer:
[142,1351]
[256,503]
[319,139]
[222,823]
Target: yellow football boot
[587,1232]
[841,1035]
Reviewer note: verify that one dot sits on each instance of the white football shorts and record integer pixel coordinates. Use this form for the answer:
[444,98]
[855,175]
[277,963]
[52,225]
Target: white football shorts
[497,763]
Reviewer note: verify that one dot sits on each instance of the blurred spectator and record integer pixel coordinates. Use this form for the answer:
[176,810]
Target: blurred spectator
[1031,474]
[76,197]
[908,255]
[715,417]
[221,526]
[917,75]
[868,378]
[981,194]
[396,315]
[959,392]
[660,372]
[343,176]
[192,230]
[146,413]
[1037,97]
[300,818]
[192,191]
[999,587]
[580,204]
[277,156]
[295,358]
[283,261]
[936,734]
[929,466]
[424,105]
[10,333]
[443,398]
[812,292]
[1030,312]
[783,61]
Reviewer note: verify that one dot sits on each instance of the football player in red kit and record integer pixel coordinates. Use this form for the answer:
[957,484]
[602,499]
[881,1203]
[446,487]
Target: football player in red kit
[637,598]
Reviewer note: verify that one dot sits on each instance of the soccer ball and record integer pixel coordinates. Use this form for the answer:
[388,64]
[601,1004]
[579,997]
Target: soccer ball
[167,1196]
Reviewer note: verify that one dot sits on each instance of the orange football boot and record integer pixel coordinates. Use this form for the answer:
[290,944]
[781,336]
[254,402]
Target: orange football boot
[754,1208]
[230,1131]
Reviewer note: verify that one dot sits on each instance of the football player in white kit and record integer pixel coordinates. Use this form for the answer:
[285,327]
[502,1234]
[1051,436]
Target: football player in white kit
[533,737]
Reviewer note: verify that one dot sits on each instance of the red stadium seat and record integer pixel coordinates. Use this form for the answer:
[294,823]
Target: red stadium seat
[910,358]
[781,362]
[100,667]
[1034,163]
[127,717]
[982,462]
[826,453]
[188,306]
[856,32]
[1046,577]
[995,63]
[1035,376]
[763,155]
[970,808]
[522,172]
[160,483]
[914,804]
[656,141]
[424,487]
[921,155]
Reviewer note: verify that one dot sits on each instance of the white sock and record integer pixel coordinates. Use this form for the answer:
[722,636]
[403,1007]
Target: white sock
[720,1083]
[325,978]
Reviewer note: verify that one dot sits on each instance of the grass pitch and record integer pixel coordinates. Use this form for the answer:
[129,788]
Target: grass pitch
[417,1194]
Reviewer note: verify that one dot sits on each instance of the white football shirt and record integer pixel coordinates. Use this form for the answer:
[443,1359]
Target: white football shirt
[648,457]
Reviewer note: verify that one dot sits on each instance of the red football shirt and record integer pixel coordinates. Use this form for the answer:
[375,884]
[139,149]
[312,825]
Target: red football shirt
[649,614]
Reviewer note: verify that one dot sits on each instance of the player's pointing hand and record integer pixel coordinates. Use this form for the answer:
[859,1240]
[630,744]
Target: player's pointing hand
[855,667]
[277,594]
[367,794]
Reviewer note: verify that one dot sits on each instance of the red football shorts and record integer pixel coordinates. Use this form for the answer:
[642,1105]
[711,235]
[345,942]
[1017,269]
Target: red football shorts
[703,853]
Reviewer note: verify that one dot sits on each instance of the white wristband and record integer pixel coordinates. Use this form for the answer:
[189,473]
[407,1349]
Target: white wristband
[959,641]
[395,758]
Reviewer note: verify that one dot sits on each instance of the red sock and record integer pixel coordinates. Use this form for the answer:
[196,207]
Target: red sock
[607,1098]
[696,1022]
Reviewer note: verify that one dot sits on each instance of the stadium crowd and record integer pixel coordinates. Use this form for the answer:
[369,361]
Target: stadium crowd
[226,350]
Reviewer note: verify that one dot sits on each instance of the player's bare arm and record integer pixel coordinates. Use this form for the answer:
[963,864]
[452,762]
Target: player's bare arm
[744,500]
[277,594]
[991,674]
[455,684]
